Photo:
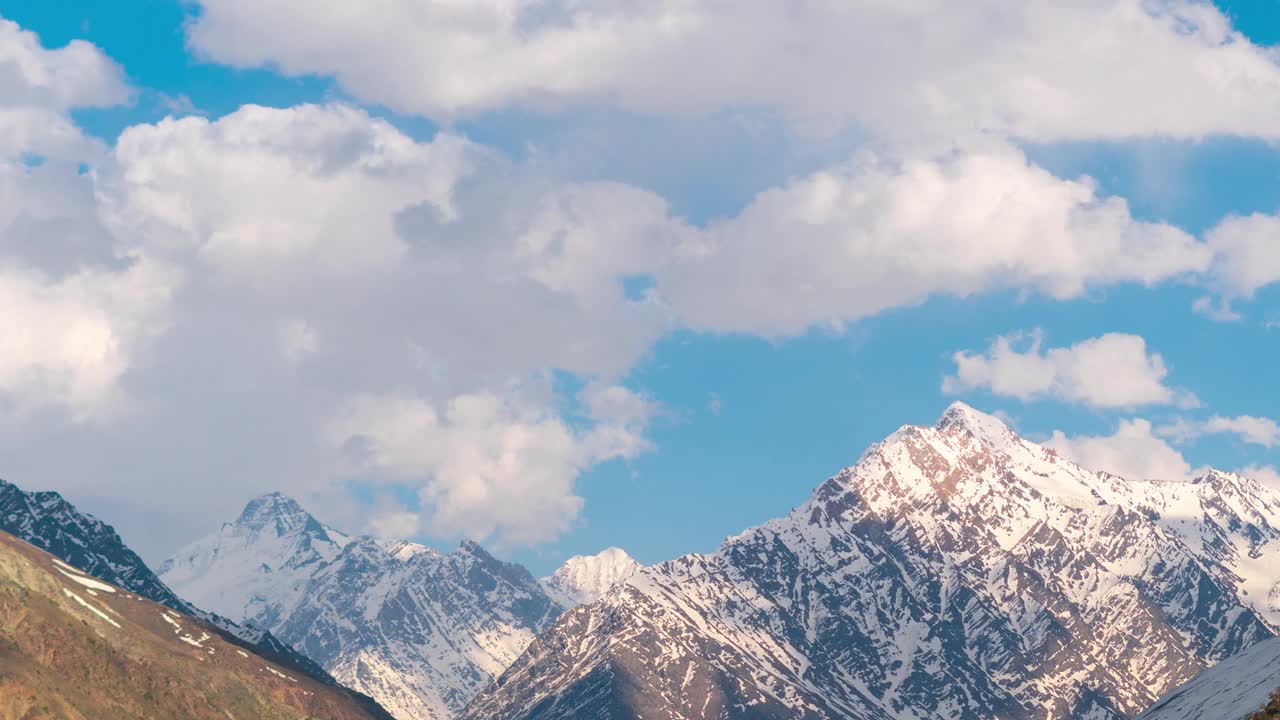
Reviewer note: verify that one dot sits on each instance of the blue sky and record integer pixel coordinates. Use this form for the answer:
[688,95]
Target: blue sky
[740,418]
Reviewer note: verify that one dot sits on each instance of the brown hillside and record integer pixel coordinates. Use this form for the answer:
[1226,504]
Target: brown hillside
[74,648]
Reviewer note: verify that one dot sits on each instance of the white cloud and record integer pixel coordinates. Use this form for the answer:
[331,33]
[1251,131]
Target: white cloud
[68,342]
[1038,70]
[1266,474]
[874,234]
[1133,452]
[1113,370]
[262,188]
[1246,254]
[76,307]
[1250,429]
[488,467]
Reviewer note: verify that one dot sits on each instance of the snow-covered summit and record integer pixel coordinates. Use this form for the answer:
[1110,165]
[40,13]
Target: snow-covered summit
[584,578]
[252,569]
[419,630]
[987,429]
[277,512]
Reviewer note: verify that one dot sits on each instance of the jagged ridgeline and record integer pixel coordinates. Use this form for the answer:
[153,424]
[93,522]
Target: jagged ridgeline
[956,571]
[421,631]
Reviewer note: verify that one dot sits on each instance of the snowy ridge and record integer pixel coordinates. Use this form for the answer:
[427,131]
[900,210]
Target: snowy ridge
[256,568]
[48,521]
[957,571]
[1231,690]
[584,579]
[420,631]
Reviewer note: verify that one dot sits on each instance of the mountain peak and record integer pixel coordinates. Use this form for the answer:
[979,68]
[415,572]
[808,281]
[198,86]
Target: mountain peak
[585,578]
[275,509]
[985,428]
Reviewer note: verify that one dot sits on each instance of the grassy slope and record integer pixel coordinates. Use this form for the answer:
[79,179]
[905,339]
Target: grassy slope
[60,660]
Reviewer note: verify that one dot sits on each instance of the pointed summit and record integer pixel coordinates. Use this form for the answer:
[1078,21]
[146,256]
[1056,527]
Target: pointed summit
[274,509]
[987,429]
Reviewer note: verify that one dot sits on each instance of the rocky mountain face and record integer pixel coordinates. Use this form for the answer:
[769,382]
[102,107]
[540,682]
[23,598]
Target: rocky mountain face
[1233,689]
[47,521]
[421,631]
[956,571]
[584,579]
[74,647]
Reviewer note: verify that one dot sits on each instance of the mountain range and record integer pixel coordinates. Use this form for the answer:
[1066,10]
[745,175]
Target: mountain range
[955,571]
[421,631]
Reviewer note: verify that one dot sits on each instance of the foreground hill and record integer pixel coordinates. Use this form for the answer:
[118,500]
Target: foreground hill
[48,521]
[956,571]
[74,647]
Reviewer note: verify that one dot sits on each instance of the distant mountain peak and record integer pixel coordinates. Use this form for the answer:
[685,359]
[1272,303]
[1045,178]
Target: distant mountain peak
[275,509]
[420,630]
[987,429]
[584,579]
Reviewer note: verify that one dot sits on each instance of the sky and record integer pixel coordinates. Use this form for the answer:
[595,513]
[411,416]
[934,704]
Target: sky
[558,276]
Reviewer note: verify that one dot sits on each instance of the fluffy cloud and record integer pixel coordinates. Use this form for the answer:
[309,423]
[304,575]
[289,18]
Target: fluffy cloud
[878,233]
[488,467]
[1248,428]
[39,85]
[1246,254]
[262,188]
[68,342]
[323,256]
[77,307]
[1113,370]
[1039,70]
[1133,451]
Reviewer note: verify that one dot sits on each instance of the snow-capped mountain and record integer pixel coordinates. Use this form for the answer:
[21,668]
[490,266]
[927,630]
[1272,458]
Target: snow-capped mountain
[421,631]
[585,578]
[47,521]
[257,567]
[956,571]
[1231,690]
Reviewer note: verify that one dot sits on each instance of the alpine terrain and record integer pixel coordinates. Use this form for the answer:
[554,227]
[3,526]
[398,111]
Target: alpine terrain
[1233,689]
[75,647]
[956,571]
[420,631]
[585,578]
[47,521]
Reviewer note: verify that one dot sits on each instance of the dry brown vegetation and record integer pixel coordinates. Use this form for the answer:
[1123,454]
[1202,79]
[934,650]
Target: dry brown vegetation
[61,660]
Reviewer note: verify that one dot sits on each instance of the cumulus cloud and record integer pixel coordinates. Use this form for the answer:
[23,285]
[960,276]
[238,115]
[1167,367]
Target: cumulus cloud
[1248,428]
[68,342]
[304,297]
[265,188]
[878,233]
[77,307]
[901,69]
[39,85]
[1133,451]
[489,467]
[1246,258]
[1109,371]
